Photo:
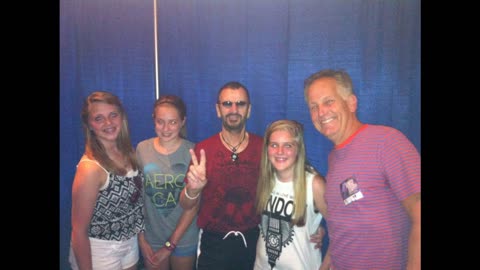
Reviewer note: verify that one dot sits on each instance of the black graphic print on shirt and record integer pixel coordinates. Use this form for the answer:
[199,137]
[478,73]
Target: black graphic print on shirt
[276,228]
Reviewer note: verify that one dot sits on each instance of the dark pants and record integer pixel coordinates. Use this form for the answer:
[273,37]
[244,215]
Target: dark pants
[230,253]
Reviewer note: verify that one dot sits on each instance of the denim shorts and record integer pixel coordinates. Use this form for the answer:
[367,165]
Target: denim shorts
[183,251]
[110,255]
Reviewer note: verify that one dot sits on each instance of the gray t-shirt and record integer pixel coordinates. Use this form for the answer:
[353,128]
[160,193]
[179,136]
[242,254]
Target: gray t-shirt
[164,176]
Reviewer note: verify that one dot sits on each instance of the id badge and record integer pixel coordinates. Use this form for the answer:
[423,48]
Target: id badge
[350,190]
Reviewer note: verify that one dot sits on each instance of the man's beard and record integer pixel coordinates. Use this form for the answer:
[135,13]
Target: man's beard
[234,128]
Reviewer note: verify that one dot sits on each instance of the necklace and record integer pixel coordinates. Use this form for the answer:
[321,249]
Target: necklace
[234,155]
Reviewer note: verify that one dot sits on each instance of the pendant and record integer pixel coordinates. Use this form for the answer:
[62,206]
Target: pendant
[234,156]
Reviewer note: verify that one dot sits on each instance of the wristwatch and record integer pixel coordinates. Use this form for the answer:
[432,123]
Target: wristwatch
[169,245]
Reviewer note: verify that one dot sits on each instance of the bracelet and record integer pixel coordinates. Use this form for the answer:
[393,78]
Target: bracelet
[191,198]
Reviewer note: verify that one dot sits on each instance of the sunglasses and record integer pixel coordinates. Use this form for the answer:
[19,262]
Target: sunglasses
[228,104]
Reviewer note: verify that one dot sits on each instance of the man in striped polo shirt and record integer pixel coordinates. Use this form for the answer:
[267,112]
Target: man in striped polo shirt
[373,181]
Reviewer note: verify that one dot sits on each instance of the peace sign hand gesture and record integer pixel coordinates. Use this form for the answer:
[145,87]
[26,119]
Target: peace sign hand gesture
[196,173]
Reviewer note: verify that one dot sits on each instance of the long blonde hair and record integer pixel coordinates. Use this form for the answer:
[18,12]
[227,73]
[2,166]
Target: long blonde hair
[94,148]
[266,181]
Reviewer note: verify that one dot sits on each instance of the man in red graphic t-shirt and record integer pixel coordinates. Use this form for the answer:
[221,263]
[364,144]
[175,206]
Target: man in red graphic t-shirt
[223,181]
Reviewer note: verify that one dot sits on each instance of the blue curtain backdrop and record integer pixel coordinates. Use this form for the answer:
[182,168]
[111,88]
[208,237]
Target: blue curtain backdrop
[271,46]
